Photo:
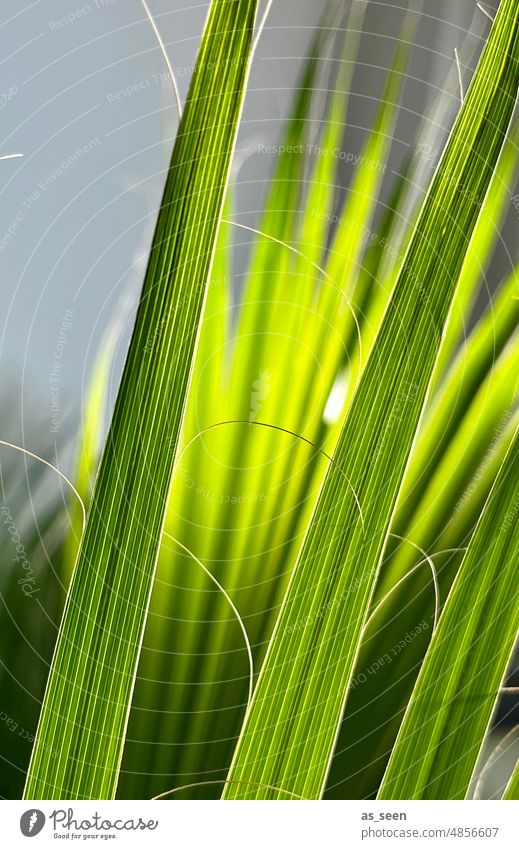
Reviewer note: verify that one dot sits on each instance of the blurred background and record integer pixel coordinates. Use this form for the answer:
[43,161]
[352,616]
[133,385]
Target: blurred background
[86,98]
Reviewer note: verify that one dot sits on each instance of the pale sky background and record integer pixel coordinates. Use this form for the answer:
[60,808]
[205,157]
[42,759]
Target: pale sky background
[69,236]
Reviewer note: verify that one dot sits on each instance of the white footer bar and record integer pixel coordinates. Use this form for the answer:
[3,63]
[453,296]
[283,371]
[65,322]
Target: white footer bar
[261,825]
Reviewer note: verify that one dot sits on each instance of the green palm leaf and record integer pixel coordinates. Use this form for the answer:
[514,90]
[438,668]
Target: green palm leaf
[461,444]
[452,704]
[512,790]
[291,727]
[89,690]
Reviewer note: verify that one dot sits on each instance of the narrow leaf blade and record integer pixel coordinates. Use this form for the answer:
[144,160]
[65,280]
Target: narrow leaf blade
[88,695]
[291,727]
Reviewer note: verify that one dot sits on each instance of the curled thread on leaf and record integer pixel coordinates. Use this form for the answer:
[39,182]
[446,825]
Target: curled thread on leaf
[224,781]
[485,12]
[277,241]
[165,55]
[54,469]
[427,558]
[460,77]
[164,52]
[281,430]
[495,754]
[261,27]
[318,267]
[231,604]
